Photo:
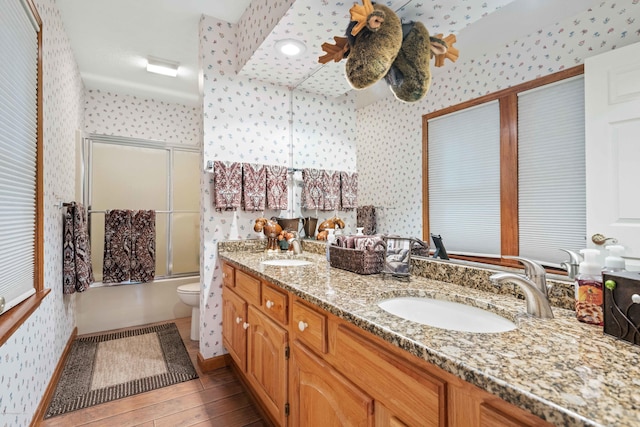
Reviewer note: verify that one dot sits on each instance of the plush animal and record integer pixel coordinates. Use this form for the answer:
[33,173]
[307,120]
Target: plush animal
[410,75]
[378,46]
[376,43]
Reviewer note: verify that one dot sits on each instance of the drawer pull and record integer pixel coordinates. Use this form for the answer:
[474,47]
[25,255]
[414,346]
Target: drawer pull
[238,320]
[269,304]
[302,326]
[245,325]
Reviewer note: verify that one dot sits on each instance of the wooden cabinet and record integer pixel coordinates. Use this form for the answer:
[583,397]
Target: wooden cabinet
[253,332]
[410,395]
[309,326]
[228,275]
[470,406]
[267,364]
[275,303]
[322,397]
[339,374]
[234,323]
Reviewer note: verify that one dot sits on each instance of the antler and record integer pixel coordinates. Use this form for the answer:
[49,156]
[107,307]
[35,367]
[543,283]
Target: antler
[336,51]
[360,14]
[452,53]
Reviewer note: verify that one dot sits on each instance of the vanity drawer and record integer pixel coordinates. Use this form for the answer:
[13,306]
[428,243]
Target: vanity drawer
[248,287]
[309,326]
[228,275]
[275,303]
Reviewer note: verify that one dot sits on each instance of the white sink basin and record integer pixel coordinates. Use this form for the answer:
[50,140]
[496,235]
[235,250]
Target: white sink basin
[446,315]
[286,262]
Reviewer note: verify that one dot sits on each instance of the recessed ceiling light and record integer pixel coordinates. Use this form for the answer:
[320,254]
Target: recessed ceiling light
[162,66]
[290,47]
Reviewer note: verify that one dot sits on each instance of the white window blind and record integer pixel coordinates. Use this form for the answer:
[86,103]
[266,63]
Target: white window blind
[464,180]
[551,170]
[18,151]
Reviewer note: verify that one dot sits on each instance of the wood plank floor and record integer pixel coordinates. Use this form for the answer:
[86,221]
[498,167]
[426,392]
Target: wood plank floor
[214,399]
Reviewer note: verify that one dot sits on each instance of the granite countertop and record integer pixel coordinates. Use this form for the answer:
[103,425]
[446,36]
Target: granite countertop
[564,371]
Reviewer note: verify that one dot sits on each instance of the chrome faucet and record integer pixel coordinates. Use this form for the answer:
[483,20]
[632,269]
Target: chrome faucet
[533,284]
[296,246]
[573,264]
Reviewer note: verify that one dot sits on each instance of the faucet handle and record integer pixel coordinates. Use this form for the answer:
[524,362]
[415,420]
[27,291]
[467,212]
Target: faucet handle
[533,271]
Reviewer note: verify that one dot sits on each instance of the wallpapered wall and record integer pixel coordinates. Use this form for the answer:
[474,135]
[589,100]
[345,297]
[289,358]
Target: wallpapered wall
[248,121]
[390,132]
[29,357]
[114,114]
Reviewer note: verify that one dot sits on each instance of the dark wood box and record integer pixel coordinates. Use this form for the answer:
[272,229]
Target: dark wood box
[622,306]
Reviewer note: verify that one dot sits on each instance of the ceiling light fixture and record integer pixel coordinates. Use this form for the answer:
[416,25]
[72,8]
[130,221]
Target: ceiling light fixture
[162,66]
[290,47]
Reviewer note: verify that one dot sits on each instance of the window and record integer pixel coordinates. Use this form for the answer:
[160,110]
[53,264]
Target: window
[21,217]
[126,173]
[505,173]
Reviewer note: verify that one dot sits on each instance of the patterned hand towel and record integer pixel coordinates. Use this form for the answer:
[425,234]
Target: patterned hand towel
[254,186]
[143,246]
[366,218]
[312,191]
[331,189]
[117,246]
[348,190]
[77,270]
[227,184]
[277,196]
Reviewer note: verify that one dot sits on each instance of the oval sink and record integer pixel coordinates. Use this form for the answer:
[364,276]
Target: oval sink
[446,315]
[286,262]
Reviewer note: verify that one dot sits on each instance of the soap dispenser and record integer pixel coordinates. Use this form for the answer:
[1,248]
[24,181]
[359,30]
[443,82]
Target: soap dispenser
[588,289]
[614,262]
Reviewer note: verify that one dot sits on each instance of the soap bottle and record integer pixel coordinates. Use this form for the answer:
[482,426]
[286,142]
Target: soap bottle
[331,237]
[614,262]
[588,288]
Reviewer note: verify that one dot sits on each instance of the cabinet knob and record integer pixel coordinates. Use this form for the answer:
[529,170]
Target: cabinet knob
[302,326]
[224,275]
[269,304]
[238,320]
[245,325]
[635,298]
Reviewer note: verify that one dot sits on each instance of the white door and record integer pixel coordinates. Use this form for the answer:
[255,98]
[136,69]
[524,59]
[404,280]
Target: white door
[612,102]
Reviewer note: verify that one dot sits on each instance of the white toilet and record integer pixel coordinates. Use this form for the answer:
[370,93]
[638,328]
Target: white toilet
[190,295]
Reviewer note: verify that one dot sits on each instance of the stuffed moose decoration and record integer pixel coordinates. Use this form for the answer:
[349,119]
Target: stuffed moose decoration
[377,45]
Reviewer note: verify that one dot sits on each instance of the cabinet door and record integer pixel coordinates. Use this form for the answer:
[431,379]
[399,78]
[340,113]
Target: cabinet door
[234,335]
[322,397]
[267,364]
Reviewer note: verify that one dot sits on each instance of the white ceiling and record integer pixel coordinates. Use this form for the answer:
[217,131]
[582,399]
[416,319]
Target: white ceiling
[111,39]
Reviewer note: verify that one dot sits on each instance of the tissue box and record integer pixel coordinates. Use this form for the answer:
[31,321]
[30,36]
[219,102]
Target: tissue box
[621,306]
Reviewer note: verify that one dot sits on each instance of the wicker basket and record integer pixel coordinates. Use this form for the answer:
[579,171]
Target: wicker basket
[357,261]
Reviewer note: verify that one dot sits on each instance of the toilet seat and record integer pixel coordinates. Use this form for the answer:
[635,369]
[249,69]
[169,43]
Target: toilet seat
[189,288]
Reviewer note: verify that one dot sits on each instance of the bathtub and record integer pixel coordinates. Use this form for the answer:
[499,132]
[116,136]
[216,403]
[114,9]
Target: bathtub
[102,308]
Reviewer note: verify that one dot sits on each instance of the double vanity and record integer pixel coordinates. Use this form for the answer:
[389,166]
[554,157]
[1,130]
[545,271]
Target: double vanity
[322,346]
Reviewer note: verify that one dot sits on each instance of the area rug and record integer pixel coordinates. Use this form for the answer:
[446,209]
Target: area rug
[120,364]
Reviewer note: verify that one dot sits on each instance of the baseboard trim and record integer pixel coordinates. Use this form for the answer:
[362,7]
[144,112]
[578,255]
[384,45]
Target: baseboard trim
[38,417]
[213,363]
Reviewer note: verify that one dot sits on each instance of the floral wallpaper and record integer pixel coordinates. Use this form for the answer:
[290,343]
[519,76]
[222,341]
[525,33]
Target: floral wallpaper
[29,357]
[247,120]
[255,24]
[108,113]
[390,132]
